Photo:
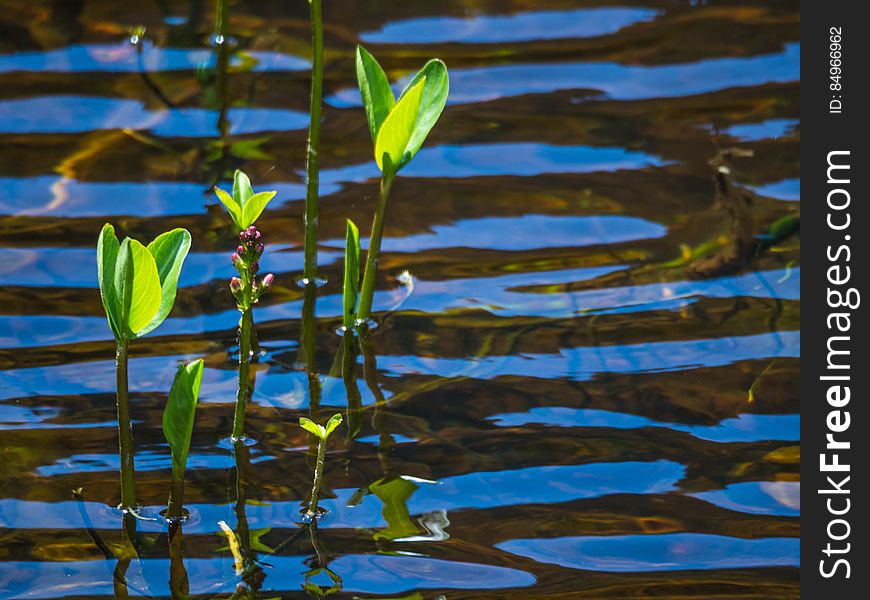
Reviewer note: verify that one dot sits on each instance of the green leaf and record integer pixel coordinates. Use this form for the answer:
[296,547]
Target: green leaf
[169,251]
[332,424]
[396,131]
[232,207]
[374,87]
[351,273]
[312,427]
[180,411]
[254,207]
[435,91]
[244,206]
[107,256]
[241,188]
[137,285]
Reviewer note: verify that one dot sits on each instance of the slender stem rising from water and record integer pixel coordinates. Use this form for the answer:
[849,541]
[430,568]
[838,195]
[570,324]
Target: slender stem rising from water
[367,291]
[125,429]
[246,325]
[318,478]
[313,165]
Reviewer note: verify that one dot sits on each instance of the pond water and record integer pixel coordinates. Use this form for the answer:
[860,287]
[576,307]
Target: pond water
[584,382]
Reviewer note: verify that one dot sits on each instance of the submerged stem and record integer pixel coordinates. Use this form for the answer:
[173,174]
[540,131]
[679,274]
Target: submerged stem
[246,325]
[367,291]
[125,428]
[313,164]
[179,584]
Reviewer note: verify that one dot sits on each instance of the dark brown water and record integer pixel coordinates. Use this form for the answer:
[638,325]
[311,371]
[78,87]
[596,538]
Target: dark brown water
[584,381]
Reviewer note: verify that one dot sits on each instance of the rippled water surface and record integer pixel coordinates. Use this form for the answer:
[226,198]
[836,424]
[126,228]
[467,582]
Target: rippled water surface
[584,379]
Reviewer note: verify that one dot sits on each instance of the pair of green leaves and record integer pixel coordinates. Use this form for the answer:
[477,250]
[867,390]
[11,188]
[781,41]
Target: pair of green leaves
[399,128]
[244,206]
[138,283]
[351,274]
[179,413]
[319,430]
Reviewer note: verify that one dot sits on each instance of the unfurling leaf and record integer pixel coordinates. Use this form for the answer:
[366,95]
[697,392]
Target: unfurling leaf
[435,91]
[244,206]
[312,427]
[138,284]
[374,87]
[351,273]
[180,411]
[332,424]
[397,128]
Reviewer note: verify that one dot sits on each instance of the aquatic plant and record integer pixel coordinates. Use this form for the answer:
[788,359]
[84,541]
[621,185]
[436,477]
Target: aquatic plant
[350,291]
[322,433]
[398,129]
[245,207]
[137,286]
[312,168]
[178,428]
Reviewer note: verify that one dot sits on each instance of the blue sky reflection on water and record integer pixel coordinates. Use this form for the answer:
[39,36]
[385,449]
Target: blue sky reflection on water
[520,27]
[615,81]
[664,552]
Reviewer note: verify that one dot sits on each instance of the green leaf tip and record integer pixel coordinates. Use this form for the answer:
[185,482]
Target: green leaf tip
[138,283]
[319,430]
[178,416]
[244,206]
[419,107]
[351,273]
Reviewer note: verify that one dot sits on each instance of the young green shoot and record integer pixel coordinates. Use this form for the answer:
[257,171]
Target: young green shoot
[245,207]
[322,433]
[137,286]
[178,419]
[398,129]
[351,276]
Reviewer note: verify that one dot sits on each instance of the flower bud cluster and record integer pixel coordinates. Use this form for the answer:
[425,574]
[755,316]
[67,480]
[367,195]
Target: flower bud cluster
[247,288]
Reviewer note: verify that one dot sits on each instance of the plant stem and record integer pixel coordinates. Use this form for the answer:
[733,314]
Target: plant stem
[245,326]
[318,478]
[125,428]
[176,495]
[313,165]
[373,256]
[179,584]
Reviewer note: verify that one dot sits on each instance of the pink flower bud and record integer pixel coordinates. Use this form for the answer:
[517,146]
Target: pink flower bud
[235,258]
[235,285]
[268,280]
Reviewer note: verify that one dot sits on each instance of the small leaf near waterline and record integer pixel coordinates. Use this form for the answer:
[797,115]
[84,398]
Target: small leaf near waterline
[374,88]
[332,424]
[312,427]
[178,416]
[351,273]
[396,131]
